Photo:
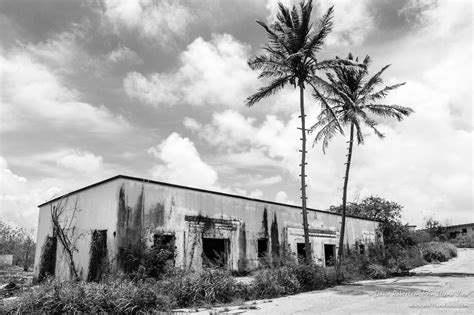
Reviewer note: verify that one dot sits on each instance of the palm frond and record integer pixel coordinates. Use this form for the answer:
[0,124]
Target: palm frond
[326,134]
[325,27]
[268,90]
[381,93]
[390,111]
[373,81]
[326,106]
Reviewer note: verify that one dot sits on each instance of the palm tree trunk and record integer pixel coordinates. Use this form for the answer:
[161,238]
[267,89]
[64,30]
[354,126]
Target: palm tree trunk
[307,246]
[344,204]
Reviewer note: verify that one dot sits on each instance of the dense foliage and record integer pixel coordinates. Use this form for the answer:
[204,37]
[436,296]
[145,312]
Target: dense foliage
[17,242]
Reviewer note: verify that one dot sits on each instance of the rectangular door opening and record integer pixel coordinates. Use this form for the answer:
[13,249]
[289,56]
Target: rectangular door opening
[329,254]
[301,252]
[215,252]
[262,245]
[98,258]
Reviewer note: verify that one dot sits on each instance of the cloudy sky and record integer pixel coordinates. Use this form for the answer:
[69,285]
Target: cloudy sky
[156,89]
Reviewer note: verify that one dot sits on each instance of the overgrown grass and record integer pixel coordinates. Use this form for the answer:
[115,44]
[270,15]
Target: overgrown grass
[177,288]
[437,251]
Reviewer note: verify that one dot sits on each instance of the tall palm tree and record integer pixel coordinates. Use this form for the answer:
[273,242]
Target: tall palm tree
[353,99]
[289,57]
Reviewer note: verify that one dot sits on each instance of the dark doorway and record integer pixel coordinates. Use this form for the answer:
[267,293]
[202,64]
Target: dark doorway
[329,254]
[214,252]
[165,245]
[98,252]
[361,249]
[301,252]
[262,247]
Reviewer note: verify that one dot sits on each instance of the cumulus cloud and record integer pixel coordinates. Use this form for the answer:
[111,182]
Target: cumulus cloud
[158,21]
[124,54]
[33,95]
[211,72]
[17,199]
[81,161]
[282,197]
[180,163]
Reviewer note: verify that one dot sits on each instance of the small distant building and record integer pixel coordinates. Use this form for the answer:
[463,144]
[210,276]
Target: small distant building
[466,229]
[6,260]
[411,227]
[200,225]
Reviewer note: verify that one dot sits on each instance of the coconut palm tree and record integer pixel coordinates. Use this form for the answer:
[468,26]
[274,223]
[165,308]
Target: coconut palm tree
[353,99]
[289,58]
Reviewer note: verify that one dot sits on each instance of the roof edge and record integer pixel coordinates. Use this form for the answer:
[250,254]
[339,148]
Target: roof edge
[144,180]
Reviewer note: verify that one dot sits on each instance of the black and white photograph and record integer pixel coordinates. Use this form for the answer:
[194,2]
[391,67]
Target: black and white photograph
[236,157]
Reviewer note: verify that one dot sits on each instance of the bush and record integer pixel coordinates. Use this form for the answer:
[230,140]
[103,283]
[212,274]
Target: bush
[310,277]
[270,283]
[115,296]
[436,251]
[207,287]
[464,241]
[375,271]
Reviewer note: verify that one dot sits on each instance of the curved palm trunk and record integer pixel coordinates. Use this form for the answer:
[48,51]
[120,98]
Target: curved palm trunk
[344,204]
[303,176]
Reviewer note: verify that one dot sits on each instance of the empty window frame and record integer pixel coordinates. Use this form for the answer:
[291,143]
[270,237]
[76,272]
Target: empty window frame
[215,252]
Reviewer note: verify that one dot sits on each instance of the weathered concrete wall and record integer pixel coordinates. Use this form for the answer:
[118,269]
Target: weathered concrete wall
[461,229]
[191,215]
[132,211]
[97,208]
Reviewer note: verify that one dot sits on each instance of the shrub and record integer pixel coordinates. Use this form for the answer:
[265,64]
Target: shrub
[115,296]
[209,286]
[309,276]
[436,251]
[275,282]
[464,241]
[375,271]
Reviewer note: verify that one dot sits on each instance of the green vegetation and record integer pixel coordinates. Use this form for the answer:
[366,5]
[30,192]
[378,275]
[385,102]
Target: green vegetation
[17,242]
[176,288]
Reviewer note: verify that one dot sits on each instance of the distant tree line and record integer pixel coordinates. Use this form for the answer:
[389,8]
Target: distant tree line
[17,242]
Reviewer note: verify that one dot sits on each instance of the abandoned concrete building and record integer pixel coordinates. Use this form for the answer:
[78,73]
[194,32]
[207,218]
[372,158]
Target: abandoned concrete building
[200,225]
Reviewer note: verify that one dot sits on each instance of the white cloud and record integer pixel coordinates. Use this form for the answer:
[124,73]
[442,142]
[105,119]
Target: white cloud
[124,54]
[282,197]
[191,124]
[158,21]
[81,161]
[180,163]
[33,95]
[211,72]
[257,194]
[17,201]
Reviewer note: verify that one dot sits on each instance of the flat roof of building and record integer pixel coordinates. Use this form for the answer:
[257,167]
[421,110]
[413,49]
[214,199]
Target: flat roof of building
[459,225]
[144,180]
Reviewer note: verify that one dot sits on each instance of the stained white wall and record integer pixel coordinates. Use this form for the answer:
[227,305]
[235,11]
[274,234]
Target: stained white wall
[126,208]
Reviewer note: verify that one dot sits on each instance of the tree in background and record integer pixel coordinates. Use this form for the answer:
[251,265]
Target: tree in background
[387,212]
[435,229]
[289,58]
[352,98]
[17,242]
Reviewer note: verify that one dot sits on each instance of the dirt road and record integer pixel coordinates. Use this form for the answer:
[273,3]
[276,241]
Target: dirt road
[446,288]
